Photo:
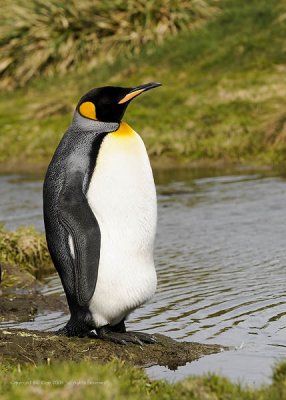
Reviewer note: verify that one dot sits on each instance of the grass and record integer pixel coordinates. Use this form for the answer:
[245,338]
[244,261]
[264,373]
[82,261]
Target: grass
[222,98]
[46,38]
[117,380]
[26,249]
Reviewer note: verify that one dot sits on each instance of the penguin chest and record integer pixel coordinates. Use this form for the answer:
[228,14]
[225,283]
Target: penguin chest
[122,197]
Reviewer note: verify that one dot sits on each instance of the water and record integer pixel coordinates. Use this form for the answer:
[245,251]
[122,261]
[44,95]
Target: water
[221,261]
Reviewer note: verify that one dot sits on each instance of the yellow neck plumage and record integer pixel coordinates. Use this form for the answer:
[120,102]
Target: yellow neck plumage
[124,130]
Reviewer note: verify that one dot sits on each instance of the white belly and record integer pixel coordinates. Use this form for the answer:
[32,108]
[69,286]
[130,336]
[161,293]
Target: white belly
[123,198]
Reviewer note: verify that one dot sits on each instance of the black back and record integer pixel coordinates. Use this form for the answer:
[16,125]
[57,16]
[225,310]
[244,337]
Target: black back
[67,212]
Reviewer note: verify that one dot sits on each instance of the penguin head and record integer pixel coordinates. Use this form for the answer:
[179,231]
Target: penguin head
[108,104]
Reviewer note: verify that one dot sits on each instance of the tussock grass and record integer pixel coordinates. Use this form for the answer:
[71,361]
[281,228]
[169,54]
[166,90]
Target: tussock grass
[222,99]
[25,248]
[41,38]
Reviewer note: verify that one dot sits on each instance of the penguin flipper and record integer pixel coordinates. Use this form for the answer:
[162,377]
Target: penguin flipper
[78,219]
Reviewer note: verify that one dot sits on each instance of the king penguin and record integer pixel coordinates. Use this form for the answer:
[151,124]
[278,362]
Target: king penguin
[100,214]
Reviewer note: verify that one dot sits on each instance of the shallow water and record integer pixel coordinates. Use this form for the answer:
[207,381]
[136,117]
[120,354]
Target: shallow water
[221,261]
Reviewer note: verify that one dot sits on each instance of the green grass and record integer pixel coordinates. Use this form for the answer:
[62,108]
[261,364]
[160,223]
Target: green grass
[117,380]
[40,38]
[26,249]
[222,98]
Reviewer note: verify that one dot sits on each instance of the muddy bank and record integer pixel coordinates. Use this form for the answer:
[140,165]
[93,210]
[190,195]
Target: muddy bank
[22,300]
[19,346]
[23,346]
[37,170]
[24,307]
[20,296]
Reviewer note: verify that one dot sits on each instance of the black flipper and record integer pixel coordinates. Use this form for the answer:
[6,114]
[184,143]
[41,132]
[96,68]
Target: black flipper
[67,212]
[78,219]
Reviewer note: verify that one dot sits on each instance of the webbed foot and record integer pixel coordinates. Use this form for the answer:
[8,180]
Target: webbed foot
[106,333]
[74,328]
[144,337]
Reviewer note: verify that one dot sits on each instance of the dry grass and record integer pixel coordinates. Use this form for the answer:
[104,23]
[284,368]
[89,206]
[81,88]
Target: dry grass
[222,98]
[39,37]
[26,249]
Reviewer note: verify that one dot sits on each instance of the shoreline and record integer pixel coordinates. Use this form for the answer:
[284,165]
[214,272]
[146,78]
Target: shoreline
[18,344]
[38,169]
[21,301]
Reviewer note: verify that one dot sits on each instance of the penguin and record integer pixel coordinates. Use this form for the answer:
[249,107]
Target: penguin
[100,215]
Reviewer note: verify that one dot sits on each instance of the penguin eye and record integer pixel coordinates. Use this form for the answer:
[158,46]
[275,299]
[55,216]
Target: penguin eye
[87,109]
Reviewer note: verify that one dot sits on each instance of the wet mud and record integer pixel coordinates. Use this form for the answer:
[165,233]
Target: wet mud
[20,296]
[23,346]
[24,307]
[22,301]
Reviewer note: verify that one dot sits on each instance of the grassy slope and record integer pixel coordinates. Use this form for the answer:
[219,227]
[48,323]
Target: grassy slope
[222,99]
[117,380]
[26,249]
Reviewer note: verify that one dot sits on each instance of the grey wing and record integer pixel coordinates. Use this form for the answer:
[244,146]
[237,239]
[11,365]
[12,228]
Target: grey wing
[80,222]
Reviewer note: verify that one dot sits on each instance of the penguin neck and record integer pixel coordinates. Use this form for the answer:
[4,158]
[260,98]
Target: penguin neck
[124,130]
[86,124]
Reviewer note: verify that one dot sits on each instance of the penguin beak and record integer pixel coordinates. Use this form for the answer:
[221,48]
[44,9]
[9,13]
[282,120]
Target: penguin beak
[134,92]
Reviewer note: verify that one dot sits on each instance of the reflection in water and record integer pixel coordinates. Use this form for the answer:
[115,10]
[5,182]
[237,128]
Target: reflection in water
[221,257]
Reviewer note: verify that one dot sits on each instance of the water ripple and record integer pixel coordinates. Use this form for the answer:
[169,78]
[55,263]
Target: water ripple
[221,261]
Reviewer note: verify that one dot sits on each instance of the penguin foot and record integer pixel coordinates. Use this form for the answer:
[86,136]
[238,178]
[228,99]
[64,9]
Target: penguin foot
[71,333]
[124,338]
[74,328]
[144,337]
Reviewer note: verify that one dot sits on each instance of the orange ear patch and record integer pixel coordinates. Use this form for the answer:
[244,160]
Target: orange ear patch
[87,109]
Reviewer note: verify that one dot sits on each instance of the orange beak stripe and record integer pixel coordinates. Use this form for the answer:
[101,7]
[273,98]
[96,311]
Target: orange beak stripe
[130,96]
